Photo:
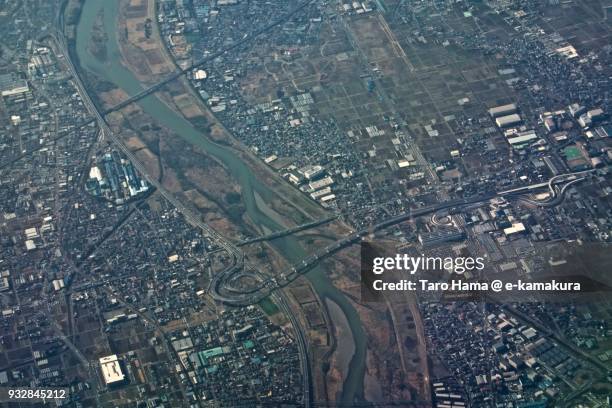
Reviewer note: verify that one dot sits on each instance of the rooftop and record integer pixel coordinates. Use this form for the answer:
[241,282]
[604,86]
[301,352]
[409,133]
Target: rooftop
[111,370]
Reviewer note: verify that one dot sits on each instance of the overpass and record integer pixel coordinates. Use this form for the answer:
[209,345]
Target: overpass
[289,231]
[551,183]
[221,292]
[224,293]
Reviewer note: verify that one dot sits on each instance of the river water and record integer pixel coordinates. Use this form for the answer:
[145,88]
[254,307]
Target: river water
[254,193]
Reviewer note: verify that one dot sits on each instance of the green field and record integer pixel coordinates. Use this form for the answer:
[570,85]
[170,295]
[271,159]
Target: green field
[572,153]
[268,306]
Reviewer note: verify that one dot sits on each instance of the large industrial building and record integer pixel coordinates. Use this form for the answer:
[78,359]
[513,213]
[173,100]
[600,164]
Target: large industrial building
[311,172]
[502,110]
[508,120]
[521,139]
[111,370]
[11,85]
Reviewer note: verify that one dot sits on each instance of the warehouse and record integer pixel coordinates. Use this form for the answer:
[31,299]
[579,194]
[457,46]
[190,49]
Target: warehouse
[507,121]
[311,172]
[502,110]
[324,182]
[11,85]
[521,139]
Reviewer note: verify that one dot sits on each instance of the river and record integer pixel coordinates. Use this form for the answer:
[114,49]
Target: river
[254,193]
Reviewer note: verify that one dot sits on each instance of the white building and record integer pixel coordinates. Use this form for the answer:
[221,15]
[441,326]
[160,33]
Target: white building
[324,182]
[509,120]
[111,370]
[311,172]
[502,110]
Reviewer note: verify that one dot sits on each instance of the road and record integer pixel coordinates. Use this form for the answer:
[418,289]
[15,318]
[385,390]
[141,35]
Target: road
[565,343]
[246,39]
[166,342]
[107,132]
[269,286]
[383,96]
[288,231]
[219,285]
[233,251]
[280,299]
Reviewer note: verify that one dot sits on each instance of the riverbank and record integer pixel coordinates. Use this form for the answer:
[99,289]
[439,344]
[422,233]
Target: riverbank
[234,165]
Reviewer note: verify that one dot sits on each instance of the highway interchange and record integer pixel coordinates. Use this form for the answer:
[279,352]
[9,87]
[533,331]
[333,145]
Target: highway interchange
[221,288]
[238,257]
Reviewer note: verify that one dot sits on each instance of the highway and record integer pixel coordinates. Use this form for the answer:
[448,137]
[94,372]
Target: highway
[233,251]
[267,286]
[165,340]
[223,292]
[219,289]
[597,367]
[288,231]
[379,89]
[551,183]
[281,300]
